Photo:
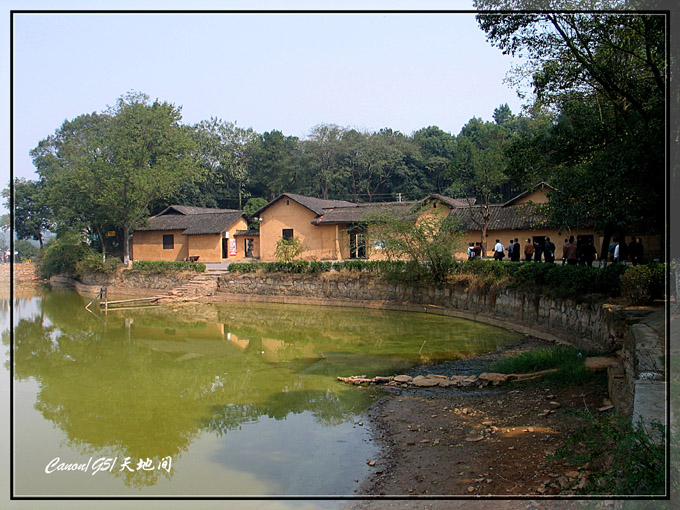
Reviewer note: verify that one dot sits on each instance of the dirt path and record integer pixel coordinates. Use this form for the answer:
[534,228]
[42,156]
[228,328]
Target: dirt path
[494,441]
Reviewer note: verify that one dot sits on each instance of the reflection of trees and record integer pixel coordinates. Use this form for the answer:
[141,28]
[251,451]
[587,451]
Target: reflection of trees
[147,383]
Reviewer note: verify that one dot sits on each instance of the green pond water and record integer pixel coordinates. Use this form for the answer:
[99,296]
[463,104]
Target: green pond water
[208,400]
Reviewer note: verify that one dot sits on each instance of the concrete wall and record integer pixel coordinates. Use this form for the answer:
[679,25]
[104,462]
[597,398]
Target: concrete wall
[593,326]
[148,245]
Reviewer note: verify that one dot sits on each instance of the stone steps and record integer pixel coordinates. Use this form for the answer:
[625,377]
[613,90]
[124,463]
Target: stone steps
[199,286]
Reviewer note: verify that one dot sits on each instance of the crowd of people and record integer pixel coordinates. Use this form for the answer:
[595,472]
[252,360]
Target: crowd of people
[6,256]
[582,252]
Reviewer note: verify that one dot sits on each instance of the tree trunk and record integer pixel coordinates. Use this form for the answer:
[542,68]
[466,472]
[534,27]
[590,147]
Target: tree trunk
[126,245]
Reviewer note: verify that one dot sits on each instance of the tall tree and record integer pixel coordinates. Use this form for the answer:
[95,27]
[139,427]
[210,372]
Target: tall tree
[118,162]
[322,153]
[478,168]
[275,163]
[437,149]
[603,76]
[32,214]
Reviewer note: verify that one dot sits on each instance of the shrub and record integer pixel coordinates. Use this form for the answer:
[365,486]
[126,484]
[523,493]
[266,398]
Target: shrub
[93,263]
[62,256]
[288,249]
[165,266]
[641,284]
[245,267]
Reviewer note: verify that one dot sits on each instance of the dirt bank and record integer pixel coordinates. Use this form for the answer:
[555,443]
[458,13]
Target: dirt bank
[26,278]
[477,442]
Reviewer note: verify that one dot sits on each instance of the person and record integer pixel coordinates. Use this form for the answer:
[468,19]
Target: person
[564,251]
[589,253]
[528,250]
[511,249]
[549,250]
[471,251]
[640,252]
[635,251]
[498,250]
[572,252]
[478,250]
[516,253]
[612,248]
[538,251]
[617,252]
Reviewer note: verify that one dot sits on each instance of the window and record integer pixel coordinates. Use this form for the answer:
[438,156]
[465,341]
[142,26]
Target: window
[168,241]
[287,233]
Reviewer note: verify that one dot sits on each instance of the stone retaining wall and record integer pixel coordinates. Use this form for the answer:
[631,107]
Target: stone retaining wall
[594,326]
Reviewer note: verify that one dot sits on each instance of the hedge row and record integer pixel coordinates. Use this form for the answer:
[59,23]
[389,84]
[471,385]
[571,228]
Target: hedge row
[638,284]
[163,267]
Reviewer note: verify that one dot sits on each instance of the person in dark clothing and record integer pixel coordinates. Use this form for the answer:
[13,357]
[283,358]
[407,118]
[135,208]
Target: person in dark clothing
[572,252]
[538,251]
[564,251]
[510,249]
[549,250]
[516,253]
[635,251]
[589,253]
[478,250]
[640,252]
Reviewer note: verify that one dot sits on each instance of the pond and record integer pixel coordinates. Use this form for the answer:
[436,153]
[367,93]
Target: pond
[208,399]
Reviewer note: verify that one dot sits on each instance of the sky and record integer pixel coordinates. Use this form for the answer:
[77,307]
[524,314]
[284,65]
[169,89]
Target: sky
[288,72]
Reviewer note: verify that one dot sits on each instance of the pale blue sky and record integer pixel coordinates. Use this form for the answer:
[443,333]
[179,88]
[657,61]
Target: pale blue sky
[265,71]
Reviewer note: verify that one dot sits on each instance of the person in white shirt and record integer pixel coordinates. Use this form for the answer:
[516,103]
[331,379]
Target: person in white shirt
[498,250]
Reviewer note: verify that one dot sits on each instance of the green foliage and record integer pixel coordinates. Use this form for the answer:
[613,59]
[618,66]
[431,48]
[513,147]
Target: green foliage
[62,256]
[245,267]
[642,284]
[568,361]
[622,457]
[287,249]
[27,250]
[93,262]
[427,244]
[165,267]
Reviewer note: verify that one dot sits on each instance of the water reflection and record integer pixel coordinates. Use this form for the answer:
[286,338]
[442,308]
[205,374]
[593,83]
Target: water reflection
[147,383]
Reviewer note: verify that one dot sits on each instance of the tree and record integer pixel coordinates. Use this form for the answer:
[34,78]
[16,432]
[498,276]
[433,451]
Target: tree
[437,149]
[322,153]
[603,77]
[253,205]
[275,163]
[67,163]
[32,215]
[478,168]
[113,166]
[224,153]
[426,243]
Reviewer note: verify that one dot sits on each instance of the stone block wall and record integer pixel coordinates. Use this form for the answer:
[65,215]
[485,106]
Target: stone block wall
[595,326]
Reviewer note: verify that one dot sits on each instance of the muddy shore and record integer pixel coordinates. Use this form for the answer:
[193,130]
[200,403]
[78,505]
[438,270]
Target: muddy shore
[492,441]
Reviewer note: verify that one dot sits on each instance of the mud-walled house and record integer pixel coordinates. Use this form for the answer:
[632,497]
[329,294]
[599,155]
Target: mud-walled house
[195,233]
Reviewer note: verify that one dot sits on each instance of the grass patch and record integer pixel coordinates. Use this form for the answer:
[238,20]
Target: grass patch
[621,457]
[568,361]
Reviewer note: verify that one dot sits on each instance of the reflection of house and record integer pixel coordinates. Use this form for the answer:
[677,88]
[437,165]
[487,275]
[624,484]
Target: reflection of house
[182,232]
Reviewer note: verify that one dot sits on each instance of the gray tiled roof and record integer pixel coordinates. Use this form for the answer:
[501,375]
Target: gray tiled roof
[451,202]
[314,204]
[250,232]
[362,212]
[513,217]
[193,220]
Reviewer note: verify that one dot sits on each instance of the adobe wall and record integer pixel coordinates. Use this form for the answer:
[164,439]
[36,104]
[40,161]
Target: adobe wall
[148,245]
[593,326]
